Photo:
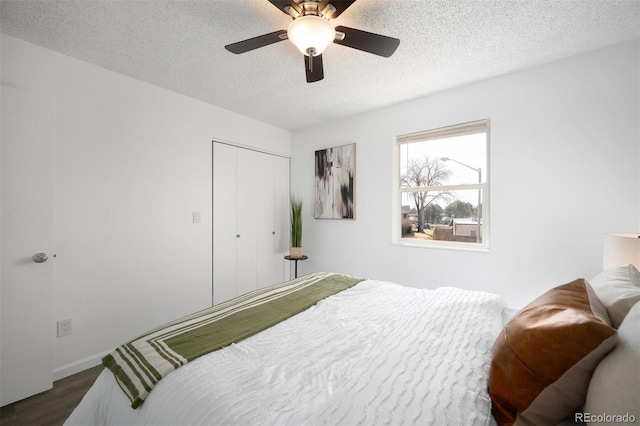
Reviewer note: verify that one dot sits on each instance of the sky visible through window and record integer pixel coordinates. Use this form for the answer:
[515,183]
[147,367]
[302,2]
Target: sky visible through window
[466,149]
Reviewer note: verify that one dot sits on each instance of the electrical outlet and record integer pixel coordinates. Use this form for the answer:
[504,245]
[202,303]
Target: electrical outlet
[64,327]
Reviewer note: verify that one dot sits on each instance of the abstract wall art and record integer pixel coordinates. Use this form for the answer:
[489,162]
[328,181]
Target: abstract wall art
[335,182]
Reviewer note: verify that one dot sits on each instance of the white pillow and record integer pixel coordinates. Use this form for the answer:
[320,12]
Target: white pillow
[615,385]
[619,290]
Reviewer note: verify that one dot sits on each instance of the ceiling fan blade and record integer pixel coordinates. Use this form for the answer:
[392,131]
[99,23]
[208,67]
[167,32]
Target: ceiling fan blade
[368,42]
[256,42]
[281,4]
[339,5]
[313,66]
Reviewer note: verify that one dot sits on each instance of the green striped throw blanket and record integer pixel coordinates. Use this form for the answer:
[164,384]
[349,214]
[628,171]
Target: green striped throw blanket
[140,364]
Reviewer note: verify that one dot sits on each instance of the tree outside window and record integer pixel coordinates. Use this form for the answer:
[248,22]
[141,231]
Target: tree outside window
[423,173]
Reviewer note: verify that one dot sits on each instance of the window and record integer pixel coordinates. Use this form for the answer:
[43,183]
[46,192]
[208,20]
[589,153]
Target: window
[441,195]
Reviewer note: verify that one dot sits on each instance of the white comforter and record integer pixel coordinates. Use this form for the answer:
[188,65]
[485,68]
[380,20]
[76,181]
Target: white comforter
[378,353]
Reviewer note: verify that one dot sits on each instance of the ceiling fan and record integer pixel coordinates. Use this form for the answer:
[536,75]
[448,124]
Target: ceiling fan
[311,32]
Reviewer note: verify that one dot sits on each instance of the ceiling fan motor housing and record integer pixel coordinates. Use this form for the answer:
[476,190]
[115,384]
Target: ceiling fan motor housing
[310,7]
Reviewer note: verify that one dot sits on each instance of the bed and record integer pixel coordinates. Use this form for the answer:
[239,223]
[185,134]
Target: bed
[371,352]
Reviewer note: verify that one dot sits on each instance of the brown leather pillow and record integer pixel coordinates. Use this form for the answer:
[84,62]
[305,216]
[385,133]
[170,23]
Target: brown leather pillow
[544,357]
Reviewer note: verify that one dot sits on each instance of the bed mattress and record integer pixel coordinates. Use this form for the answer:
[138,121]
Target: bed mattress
[376,353]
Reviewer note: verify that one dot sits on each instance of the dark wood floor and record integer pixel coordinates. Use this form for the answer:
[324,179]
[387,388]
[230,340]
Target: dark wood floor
[50,408]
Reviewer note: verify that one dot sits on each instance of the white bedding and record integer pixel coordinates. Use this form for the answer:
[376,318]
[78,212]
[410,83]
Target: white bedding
[378,353]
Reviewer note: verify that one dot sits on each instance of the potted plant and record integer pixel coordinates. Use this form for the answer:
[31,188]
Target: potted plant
[296,228]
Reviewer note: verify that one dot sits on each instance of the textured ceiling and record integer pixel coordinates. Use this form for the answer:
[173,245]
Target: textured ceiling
[179,45]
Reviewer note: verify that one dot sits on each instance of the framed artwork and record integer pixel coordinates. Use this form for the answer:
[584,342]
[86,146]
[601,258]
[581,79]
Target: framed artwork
[335,182]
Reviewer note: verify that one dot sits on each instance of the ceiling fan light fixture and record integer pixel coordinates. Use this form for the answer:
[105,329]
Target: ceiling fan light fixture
[311,34]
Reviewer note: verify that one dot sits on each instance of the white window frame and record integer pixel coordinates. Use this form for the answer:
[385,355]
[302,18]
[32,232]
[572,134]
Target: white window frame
[479,126]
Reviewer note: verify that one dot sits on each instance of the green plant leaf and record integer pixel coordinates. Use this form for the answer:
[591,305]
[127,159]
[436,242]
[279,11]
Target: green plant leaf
[296,222]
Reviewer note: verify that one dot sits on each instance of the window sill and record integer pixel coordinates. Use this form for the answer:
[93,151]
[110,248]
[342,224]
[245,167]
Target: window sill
[445,245]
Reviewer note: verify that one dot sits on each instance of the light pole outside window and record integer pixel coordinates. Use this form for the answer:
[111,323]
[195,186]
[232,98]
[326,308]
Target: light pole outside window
[479,170]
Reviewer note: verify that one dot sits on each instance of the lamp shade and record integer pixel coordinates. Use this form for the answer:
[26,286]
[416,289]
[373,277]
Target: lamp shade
[621,248]
[311,34]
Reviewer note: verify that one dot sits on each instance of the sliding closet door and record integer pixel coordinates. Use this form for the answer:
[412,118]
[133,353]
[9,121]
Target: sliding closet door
[265,217]
[272,217]
[250,220]
[281,240]
[224,222]
[250,174]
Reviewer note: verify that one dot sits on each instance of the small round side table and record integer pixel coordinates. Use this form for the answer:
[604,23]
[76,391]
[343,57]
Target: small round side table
[304,257]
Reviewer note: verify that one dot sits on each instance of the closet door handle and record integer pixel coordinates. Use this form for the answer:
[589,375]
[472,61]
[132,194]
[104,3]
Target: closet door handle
[237,235]
[40,257]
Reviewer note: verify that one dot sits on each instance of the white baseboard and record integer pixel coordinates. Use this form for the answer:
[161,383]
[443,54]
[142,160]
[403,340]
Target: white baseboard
[78,366]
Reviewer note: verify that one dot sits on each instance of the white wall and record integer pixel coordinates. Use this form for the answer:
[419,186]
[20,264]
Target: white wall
[565,160]
[132,163]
